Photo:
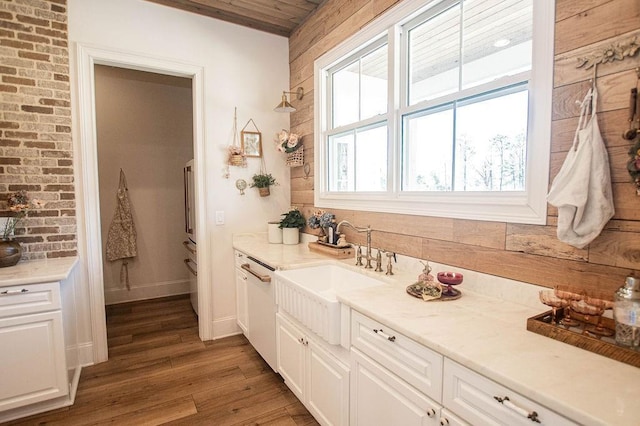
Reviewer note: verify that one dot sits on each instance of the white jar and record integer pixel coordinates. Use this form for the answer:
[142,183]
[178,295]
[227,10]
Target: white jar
[275,232]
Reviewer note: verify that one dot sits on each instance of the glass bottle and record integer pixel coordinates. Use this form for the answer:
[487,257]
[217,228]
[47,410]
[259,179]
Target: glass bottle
[626,313]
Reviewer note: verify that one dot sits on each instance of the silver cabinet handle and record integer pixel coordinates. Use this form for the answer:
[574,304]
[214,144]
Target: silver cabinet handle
[13,292]
[533,416]
[263,278]
[189,249]
[383,334]
[193,271]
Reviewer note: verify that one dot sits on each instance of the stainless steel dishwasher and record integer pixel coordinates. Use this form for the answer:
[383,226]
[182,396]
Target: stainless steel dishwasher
[261,307]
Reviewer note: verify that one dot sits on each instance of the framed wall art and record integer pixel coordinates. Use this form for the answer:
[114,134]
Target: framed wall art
[251,143]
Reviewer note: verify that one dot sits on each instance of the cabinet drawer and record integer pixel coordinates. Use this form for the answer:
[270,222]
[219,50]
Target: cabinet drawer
[473,397]
[240,258]
[29,299]
[416,364]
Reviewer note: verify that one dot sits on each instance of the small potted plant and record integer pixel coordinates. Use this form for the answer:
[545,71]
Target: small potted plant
[263,181]
[291,223]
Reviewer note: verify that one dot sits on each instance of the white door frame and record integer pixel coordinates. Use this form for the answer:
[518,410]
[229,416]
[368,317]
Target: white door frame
[85,147]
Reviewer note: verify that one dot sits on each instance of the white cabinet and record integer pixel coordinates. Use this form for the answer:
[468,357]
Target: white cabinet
[34,366]
[319,379]
[415,364]
[447,418]
[241,302]
[379,397]
[483,401]
[395,380]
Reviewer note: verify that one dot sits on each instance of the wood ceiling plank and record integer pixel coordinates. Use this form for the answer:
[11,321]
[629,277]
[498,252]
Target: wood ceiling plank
[246,12]
[279,17]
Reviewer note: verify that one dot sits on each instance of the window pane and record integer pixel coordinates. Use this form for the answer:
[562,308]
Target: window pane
[428,150]
[491,144]
[374,83]
[371,159]
[497,39]
[341,162]
[434,56]
[345,95]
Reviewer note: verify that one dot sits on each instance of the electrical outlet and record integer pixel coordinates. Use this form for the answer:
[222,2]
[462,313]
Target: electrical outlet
[220,217]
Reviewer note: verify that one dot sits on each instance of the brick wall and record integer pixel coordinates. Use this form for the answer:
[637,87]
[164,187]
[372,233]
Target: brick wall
[35,124]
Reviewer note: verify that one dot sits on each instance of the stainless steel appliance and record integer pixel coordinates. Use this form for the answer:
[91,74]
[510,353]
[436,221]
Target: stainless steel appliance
[191,261]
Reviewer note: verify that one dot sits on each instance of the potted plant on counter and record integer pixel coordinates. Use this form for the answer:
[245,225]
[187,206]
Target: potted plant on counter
[263,181]
[291,223]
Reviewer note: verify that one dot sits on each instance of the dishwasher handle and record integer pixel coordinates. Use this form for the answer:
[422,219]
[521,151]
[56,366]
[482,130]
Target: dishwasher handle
[263,278]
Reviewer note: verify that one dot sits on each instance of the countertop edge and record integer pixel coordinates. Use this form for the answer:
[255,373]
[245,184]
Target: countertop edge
[38,271]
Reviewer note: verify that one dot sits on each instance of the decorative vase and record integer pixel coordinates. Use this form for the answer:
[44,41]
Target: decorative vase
[264,192]
[10,252]
[290,235]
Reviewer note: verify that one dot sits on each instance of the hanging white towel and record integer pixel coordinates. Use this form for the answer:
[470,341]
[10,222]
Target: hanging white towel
[121,240]
[582,189]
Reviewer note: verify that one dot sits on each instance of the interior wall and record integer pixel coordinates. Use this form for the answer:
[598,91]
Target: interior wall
[243,68]
[144,127]
[528,253]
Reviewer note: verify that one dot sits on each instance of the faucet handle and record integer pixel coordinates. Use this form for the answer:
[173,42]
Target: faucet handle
[359,256]
[379,260]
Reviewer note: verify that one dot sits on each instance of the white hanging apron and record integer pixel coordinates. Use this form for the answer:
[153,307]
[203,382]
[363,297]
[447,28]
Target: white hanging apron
[582,189]
[121,241]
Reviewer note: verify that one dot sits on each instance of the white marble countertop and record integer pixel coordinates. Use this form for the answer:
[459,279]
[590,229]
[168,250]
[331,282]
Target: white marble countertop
[37,271]
[485,330]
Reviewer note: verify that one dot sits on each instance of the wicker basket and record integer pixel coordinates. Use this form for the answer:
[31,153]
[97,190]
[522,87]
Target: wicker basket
[296,158]
[236,160]
[264,192]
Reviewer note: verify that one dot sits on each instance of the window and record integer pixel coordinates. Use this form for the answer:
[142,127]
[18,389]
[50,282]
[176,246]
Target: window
[438,110]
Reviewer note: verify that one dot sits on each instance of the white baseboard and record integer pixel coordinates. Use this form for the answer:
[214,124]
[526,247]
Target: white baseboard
[225,327]
[85,354]
[148,291]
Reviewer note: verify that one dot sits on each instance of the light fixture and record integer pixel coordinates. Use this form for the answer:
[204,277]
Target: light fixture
[503,42]
[285,106]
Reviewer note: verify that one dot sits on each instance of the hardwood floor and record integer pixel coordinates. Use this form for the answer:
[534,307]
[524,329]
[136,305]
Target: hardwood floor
[159,372]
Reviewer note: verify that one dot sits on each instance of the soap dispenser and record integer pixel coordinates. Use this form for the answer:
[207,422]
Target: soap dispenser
[626,313]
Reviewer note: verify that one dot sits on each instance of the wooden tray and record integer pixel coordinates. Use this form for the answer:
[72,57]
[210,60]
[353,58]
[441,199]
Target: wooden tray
[344,252]
[605,346]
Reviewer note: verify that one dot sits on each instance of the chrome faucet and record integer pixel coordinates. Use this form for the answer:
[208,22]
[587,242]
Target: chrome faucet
[368,256]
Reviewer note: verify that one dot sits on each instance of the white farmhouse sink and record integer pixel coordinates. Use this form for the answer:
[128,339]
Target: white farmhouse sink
[309,295]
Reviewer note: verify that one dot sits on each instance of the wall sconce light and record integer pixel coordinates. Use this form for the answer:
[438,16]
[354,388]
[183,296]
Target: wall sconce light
[285,106]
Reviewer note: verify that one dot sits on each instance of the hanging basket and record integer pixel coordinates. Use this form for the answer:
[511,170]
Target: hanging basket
[264,192]
[296,158]
[236,160]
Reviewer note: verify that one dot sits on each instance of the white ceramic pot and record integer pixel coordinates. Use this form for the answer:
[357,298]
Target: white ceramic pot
[275,233]
[290,235]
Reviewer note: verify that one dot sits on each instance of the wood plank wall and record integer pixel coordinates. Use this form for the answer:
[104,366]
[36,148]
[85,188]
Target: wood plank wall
[527,253]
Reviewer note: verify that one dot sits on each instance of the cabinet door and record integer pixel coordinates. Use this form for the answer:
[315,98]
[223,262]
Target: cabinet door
[447,418]
[33,360]
[379,397]
[327,387]
[241,301]
[291,355]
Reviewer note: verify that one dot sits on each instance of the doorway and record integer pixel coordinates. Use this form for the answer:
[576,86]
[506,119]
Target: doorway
[144,128]
[85,145]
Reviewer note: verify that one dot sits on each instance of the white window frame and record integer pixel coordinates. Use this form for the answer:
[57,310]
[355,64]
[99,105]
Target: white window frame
[529,206]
